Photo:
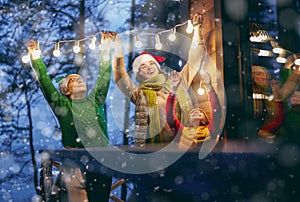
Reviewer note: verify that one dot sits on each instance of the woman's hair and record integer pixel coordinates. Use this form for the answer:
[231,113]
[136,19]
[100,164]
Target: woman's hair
[259,87]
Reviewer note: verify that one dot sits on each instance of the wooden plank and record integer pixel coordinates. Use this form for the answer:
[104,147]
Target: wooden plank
[201,6]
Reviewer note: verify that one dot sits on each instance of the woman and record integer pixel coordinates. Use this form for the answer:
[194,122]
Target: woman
[151,94]
[269,109]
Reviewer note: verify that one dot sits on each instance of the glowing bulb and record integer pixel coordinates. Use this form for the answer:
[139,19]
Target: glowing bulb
[172,36]
[270,98]
[138,44]
[158,45]
[56,51]
[277,50]
[297,62]
[76,48]
[200,91]
[263,53]
[92,43]
[190,27]
[25,58]
[281,59]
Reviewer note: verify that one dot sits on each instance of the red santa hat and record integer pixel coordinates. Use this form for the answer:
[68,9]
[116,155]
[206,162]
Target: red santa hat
[143,58]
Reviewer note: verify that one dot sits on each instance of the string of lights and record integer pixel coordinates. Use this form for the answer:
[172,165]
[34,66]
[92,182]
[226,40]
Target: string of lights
[261,36]
[138,43]
[93,38]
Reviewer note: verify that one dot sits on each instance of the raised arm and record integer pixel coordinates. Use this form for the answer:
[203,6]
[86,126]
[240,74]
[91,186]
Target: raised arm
[172,119]
[290,75]
[52,95]
[196,54]
[121,77]
[104,71]
[289,86]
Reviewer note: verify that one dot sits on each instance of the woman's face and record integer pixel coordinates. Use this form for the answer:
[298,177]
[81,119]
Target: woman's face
[260,78]
[148,70]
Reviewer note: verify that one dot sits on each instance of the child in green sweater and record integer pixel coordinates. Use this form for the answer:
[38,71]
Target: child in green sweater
[82,121]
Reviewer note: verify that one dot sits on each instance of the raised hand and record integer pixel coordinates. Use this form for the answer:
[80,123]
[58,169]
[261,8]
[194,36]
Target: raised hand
[106,36]
[175,80]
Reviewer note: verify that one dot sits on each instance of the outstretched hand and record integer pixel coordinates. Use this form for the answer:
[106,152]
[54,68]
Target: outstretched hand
[106,36]
[175,80]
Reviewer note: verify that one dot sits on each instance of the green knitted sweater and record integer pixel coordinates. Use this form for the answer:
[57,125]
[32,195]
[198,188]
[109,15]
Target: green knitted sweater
[82,122]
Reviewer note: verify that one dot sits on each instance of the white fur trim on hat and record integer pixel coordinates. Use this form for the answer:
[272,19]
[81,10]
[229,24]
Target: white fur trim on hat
[141,59]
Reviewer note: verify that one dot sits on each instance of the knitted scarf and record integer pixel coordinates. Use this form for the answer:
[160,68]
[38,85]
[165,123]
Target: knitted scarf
[189,134]
[149,88]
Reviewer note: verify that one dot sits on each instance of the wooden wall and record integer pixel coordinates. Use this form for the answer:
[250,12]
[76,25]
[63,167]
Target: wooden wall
[212,30]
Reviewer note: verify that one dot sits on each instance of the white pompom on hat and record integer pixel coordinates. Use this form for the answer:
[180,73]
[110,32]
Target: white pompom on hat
[143,58]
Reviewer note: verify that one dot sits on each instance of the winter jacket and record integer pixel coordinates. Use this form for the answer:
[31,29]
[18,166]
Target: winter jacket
[143,115]
[190,136]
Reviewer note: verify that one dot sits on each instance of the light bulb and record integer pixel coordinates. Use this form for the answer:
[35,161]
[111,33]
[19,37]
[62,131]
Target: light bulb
[200,91]
[172,36]
[92,46]
[263,53]
[158,45]
[25,58]
[277,50]
[76,48]
[190,27]
[281,59]
[297,62]
[138,44]
[92,43]
[56,51]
